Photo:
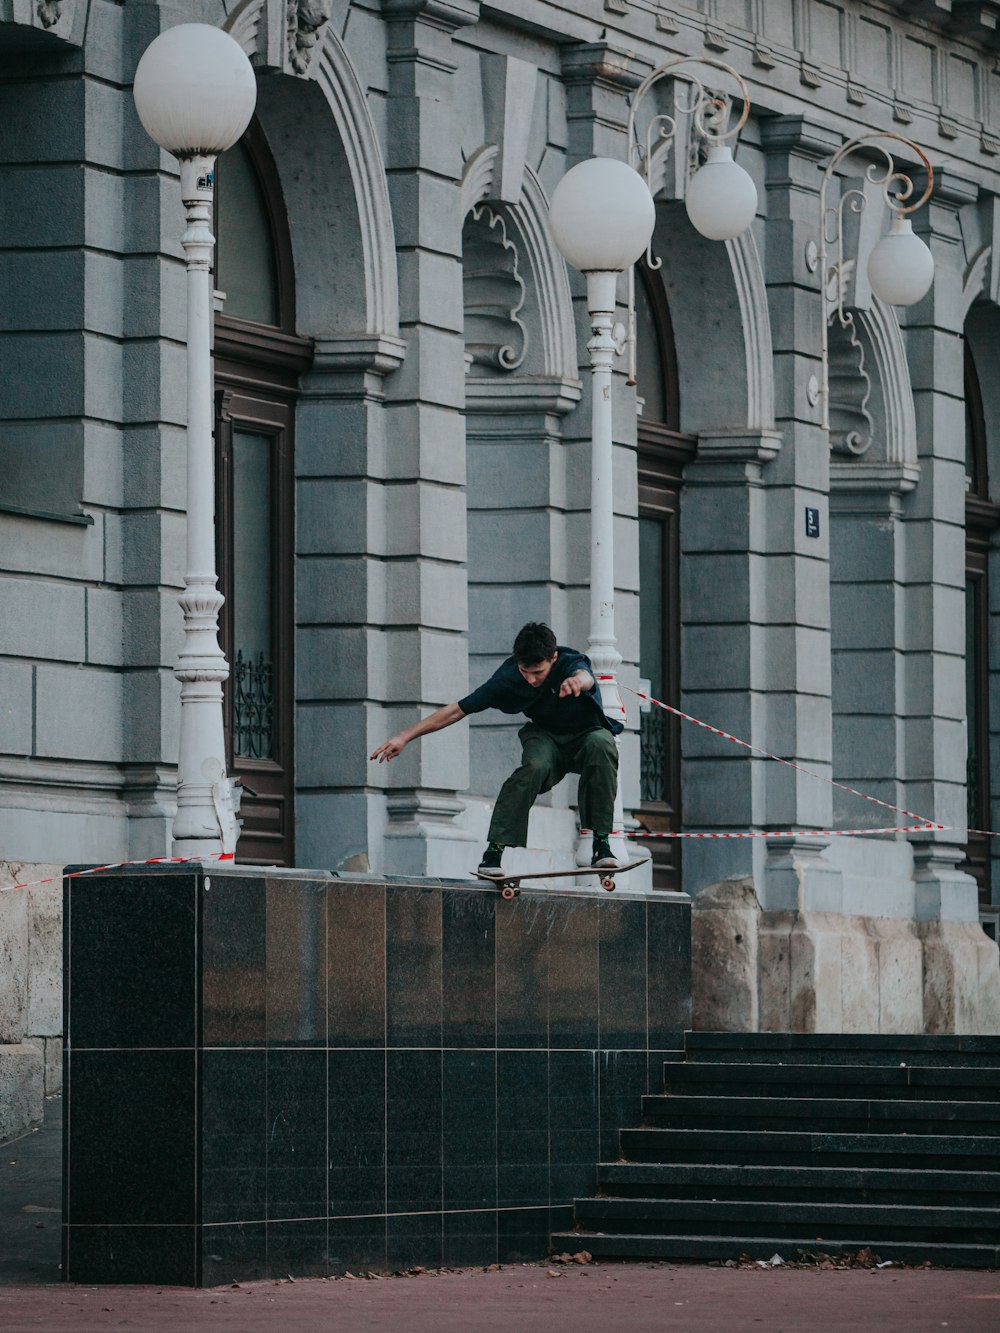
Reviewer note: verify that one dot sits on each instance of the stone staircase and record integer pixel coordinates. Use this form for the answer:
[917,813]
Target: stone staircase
[765,1143]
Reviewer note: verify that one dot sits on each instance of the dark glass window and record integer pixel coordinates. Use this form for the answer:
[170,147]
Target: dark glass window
[258,360]
[662,453]
[982,518]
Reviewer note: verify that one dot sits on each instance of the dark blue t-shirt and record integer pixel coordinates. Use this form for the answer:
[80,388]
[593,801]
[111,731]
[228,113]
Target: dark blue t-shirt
[508,692]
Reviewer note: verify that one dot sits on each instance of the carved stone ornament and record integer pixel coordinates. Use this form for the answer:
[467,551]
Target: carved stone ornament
[49,12]
[60,23]
[493,293]
[306,21]
[850,390]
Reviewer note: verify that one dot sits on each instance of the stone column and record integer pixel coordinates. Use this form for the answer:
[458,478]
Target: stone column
[934,636]
[755,587]
[341,605]
[796,569]
[426,662]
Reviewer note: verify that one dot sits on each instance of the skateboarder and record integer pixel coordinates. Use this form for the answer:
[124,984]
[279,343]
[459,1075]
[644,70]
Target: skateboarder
[567,732]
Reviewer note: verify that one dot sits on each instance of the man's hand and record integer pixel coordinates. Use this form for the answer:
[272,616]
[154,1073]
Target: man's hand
[441,717]
[579,683]
[390,749]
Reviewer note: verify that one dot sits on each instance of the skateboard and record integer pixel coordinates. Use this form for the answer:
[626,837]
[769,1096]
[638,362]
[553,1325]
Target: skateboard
[510,885]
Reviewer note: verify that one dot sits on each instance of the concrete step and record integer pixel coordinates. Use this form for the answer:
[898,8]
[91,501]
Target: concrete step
[902,1082]
[821,1221]
[832,1184]
[604,1245]
[819,1115]
[801,1148]
[841,1048]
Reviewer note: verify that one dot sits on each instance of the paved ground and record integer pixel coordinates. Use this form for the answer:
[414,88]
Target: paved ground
[638,1298]
[605,1298]
[31,1202]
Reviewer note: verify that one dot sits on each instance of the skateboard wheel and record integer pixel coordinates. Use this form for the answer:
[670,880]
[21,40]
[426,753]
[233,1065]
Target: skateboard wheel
[507,891]
[608,882]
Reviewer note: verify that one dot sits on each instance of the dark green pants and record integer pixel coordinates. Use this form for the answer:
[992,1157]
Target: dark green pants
[546,759]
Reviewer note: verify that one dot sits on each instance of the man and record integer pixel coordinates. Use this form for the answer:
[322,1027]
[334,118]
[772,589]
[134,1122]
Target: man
[567,732]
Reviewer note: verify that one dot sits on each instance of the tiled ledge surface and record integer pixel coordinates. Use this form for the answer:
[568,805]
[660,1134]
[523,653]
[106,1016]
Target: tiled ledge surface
[292,1073]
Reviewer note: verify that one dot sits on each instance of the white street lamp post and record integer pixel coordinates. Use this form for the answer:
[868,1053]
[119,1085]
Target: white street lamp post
[602,217]
[900,266]
[195,92]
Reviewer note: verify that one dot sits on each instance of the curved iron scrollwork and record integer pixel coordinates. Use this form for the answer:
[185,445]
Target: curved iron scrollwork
[253,707]
[972,785]
[652,756]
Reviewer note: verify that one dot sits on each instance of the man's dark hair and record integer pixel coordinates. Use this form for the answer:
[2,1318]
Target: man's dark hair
[535,643]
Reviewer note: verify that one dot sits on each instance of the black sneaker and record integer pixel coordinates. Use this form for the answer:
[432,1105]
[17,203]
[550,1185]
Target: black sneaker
[603,857]
[490,864]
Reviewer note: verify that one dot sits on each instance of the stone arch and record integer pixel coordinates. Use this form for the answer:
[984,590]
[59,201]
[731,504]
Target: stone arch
[352,245]
[721,325]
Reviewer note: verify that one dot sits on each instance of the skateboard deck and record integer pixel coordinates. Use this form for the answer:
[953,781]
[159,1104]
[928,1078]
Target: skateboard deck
[510,885]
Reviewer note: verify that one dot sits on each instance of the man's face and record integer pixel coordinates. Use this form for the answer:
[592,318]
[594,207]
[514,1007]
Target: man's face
[536,673]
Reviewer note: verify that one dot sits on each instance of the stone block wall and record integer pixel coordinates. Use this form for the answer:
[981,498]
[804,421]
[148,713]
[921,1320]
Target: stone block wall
[31,1019]
[760,970]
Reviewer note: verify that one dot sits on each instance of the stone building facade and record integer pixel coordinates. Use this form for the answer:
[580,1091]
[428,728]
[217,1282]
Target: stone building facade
[403,443]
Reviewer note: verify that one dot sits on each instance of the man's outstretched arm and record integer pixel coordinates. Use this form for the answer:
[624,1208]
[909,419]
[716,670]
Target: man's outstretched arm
[443,717]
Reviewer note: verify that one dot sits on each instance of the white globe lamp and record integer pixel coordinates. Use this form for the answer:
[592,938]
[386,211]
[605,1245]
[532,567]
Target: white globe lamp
[195,90]
[602,215]
[721,197]
[900,267]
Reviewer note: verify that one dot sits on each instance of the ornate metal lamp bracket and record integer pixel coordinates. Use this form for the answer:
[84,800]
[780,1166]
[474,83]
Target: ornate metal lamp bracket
[897,191]
[709,114]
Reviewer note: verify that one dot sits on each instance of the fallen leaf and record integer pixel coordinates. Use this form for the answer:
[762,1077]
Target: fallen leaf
[582,1257]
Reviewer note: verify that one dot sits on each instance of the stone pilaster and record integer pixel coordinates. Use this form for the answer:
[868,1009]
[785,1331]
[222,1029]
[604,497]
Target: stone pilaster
[724,650]
[935,589]
[798,714]
[424,542]
[342,606]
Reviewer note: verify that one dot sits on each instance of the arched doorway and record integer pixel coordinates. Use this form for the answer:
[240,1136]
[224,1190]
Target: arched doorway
[258,361]
[662,453]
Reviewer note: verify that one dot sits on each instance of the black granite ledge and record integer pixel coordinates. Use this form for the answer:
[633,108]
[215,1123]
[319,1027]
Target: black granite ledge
[589,889]
[295,1073]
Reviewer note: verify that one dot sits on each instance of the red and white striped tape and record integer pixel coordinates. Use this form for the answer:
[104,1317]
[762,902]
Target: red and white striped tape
[783,833]
[119,865]
[924,825]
